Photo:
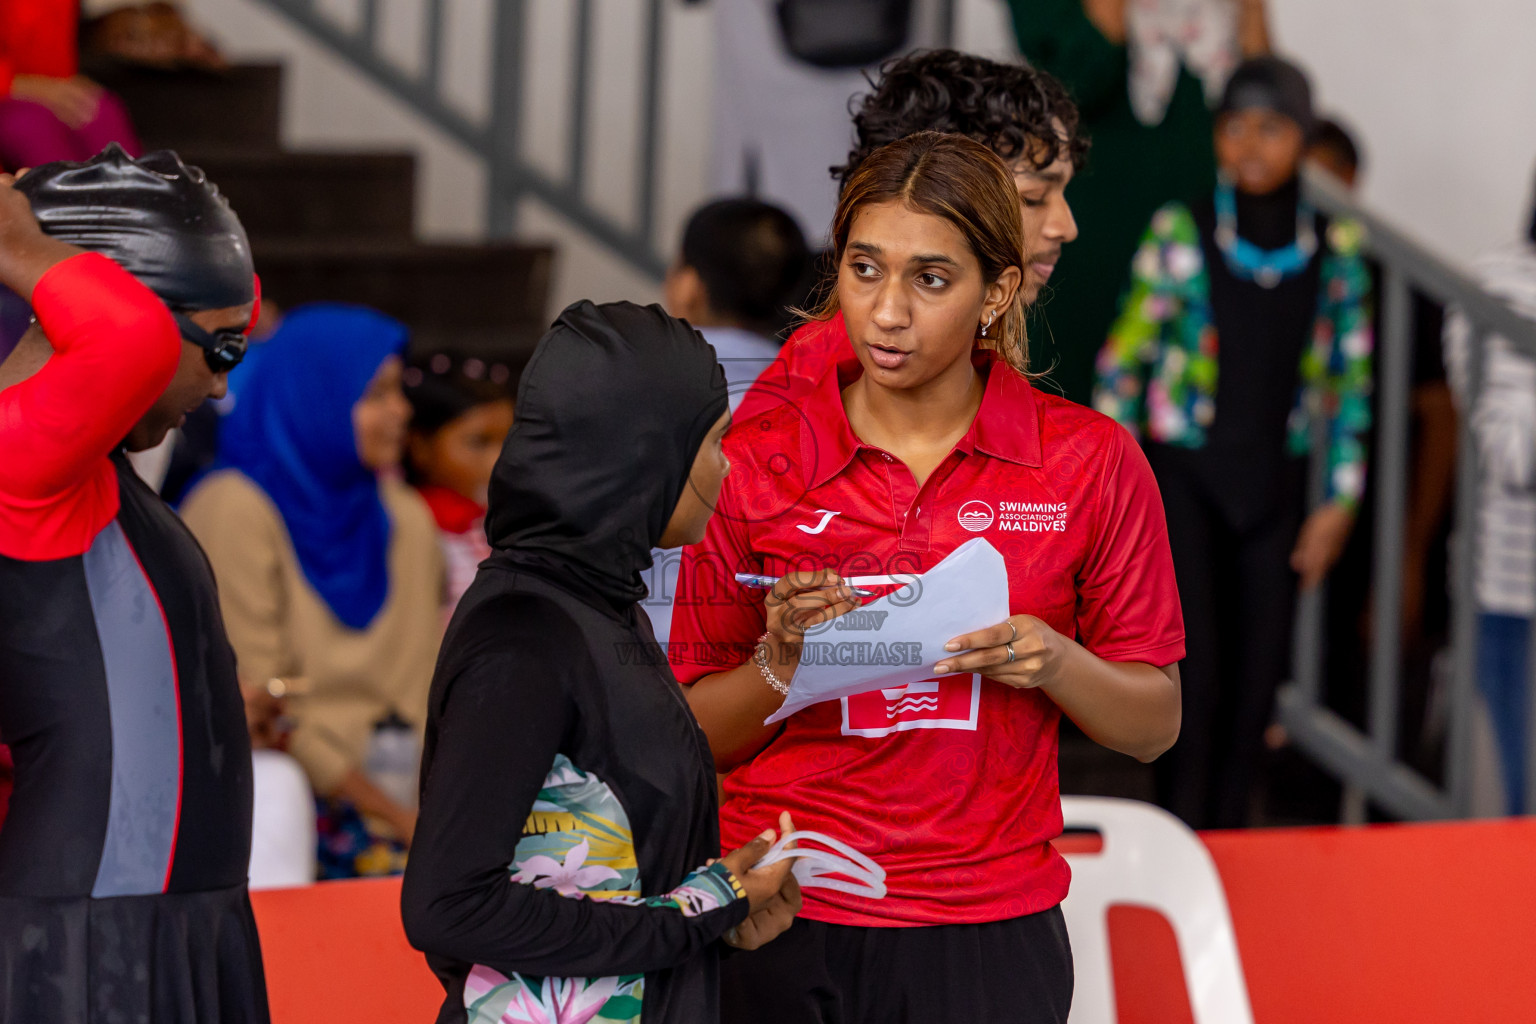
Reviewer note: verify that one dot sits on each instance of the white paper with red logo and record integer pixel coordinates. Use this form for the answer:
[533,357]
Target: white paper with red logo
[897,639]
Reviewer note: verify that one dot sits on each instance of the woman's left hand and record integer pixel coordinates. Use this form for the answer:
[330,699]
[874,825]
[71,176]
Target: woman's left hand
[1022,651]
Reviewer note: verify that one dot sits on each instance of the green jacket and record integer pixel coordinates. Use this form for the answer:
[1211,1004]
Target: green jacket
[1132,170]
[1157,372]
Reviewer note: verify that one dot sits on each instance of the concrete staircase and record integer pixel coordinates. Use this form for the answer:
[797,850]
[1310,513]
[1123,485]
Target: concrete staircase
[338,225]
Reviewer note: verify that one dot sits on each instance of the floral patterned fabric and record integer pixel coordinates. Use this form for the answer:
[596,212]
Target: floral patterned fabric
[577,841]
[348,848]
[1157,373]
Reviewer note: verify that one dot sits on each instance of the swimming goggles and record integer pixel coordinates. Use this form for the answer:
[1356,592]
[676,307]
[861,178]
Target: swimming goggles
[223,349]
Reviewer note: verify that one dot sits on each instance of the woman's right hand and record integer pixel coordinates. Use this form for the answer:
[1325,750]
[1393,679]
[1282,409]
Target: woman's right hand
[801,601]
[731,705]
[797,604]
[72,100]
[773,894]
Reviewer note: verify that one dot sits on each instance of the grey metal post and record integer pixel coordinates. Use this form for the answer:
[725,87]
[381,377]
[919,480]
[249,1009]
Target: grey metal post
[650,120]
[432,42]
[1391,494]
[1307,644]
[368,26]
[581,68]
[1530,720]
[502,188]
[1464,631]
[948,16]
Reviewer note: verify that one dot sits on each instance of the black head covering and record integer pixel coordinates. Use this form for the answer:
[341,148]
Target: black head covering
[160,220]
[1271,83]
[611,411]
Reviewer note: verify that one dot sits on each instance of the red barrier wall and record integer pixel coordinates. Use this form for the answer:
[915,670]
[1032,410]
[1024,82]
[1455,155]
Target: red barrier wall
[1381,924]
[337,952]
[1388,923]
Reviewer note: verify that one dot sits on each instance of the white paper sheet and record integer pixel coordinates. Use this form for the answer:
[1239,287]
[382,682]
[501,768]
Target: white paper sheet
[896,640]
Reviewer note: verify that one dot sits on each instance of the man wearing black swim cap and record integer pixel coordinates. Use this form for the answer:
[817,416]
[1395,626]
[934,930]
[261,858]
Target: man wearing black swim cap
[123,858]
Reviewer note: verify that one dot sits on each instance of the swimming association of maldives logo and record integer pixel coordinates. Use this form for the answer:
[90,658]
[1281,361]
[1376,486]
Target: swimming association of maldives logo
[975,516]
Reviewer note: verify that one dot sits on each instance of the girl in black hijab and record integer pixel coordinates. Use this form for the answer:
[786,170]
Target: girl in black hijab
[563,866]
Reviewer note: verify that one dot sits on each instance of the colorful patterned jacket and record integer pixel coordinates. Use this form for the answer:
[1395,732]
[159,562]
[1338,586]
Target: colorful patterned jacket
[1157,371]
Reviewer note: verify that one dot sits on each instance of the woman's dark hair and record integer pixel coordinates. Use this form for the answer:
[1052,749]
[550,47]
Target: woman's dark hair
[752,259]
[965,183]
[1017,112]
[442,387]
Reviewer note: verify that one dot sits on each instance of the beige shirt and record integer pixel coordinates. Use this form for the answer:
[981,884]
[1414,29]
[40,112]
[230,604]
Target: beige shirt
[279,625]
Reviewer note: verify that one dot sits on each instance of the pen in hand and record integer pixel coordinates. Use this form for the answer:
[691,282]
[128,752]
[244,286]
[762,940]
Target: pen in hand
[757,582]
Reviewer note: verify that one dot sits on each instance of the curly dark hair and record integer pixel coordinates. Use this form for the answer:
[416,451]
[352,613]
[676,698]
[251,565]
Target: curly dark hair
[1013,110]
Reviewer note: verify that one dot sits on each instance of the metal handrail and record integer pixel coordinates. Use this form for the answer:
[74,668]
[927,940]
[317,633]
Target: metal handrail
[1367,761]
[495,141]
[1426,271]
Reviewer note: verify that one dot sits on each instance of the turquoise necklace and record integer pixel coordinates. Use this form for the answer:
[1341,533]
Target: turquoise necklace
[1265,267]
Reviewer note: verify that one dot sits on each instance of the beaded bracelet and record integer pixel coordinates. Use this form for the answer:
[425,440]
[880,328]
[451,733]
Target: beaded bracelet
[760,659]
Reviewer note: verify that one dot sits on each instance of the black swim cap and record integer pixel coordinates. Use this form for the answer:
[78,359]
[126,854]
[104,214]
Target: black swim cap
[1271,83]
[160,220]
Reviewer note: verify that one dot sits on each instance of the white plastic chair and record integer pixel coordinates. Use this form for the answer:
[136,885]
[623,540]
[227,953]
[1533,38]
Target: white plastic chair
[282,823]
[1150,859]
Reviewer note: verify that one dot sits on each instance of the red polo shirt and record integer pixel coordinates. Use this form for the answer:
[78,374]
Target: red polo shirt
[951,786]
[814,347]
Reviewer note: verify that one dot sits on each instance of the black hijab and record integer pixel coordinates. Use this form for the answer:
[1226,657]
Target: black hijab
[611,411]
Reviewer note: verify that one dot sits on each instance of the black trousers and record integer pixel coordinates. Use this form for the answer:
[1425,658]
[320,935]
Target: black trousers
[1232,539]
[1017,971]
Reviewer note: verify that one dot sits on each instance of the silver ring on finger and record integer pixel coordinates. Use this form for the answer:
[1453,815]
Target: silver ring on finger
[1011,655]
[1015,630]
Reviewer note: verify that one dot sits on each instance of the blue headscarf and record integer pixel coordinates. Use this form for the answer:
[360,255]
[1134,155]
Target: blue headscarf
[291,433]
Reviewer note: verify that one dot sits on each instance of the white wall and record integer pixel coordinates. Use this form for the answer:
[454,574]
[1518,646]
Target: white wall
[1443,95]
[1441,92]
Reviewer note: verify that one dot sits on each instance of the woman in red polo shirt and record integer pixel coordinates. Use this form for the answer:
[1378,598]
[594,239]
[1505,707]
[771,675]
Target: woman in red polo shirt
[953,792]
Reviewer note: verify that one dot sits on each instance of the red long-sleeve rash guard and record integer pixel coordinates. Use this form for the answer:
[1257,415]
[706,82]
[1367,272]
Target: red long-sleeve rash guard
[116,348]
